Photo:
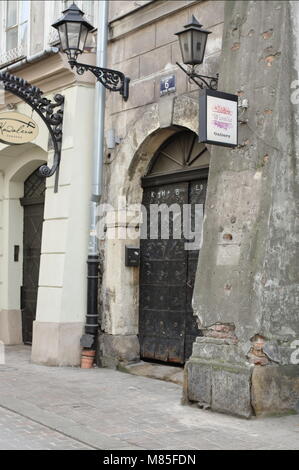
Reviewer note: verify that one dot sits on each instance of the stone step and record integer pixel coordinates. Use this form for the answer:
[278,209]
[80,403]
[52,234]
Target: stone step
[151,370]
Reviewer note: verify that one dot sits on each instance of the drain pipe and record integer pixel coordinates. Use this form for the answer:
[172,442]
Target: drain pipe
[88,340]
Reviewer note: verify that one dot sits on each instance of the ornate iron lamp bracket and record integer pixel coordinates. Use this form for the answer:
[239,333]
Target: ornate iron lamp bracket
[113,80]
[209,82]
[51,112]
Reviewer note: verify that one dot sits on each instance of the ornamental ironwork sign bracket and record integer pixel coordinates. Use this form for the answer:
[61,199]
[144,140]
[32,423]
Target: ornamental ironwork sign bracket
[112,80]
[207,82]
[51,112]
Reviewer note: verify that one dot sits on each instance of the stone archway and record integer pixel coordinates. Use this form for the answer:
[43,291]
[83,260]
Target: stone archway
[119,296]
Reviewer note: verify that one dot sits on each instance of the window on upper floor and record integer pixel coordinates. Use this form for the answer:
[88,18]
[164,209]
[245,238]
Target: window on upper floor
[16,25]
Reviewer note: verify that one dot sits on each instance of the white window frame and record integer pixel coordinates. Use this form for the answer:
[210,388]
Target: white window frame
[50,36]
[17,52]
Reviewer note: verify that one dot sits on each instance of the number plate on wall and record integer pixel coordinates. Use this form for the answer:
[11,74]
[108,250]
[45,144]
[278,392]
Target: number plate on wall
[167,85]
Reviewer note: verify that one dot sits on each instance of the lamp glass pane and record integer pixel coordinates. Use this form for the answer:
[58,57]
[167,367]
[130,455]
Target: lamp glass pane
[84,33]
[63,36]
[73,34]
[199,40]
[185,39]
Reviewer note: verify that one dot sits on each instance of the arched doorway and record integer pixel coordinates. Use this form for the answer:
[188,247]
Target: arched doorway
[178,174]
[33,204]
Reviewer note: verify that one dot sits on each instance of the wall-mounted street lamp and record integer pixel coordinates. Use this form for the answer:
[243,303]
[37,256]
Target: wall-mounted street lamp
[73,30]
[193,40]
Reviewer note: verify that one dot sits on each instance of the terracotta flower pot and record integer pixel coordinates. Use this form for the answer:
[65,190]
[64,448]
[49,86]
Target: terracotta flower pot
[87,358]
[88,353]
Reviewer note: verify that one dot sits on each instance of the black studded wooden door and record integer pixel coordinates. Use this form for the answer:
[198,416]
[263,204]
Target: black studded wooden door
[167,326]
[33,203]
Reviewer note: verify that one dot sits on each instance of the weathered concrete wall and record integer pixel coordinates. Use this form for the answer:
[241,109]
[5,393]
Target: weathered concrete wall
[119,292]
[252,189]
[247,277]
[144,47]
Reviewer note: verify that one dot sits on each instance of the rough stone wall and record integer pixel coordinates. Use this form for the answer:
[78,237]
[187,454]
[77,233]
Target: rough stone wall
[246,292]
[144,47]
[249,257]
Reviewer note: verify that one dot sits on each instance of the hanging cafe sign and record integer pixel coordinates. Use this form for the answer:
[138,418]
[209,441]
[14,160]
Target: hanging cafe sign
[218,118]
[16,128]
[50,111]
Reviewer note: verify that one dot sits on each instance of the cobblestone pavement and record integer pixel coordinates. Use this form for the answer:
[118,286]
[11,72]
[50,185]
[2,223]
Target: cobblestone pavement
[48,407]
[19,433]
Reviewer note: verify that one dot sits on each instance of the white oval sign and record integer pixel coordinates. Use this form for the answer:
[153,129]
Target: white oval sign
[16,128]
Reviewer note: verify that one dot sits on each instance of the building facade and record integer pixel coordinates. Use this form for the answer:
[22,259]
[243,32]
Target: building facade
[228,308]
[49,230]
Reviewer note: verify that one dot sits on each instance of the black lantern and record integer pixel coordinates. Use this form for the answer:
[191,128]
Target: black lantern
[193,40]
[73,30]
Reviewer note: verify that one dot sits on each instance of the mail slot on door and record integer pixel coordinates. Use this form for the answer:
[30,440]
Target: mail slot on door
[132,256]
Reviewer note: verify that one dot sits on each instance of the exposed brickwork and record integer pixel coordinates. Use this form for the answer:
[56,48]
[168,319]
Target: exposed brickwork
[256,354]
[221,331]
[268,34]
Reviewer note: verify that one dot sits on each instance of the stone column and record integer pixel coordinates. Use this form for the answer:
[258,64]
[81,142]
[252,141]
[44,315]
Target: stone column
[61,305]
[118,341]
[246,292]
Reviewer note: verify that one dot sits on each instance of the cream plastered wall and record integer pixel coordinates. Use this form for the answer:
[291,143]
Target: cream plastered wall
[61,304]
[17,162]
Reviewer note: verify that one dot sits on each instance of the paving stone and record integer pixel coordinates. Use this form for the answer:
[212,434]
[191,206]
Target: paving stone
[33,436]
[70,408]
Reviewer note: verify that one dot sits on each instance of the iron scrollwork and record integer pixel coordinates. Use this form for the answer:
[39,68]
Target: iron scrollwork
[113,80]
[51,112]
[209,82]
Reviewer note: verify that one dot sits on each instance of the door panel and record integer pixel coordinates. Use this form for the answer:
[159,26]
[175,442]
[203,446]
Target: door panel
[167,326]
[33,203]
[162,276]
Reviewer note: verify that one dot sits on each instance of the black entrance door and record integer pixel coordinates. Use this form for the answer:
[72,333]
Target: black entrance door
[167,326]
[33,203]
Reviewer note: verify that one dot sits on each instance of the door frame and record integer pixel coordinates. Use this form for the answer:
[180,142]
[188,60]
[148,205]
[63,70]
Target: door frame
[175,177]
[171,178]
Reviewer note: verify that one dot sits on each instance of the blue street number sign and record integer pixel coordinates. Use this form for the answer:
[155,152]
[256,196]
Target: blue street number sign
[167,85]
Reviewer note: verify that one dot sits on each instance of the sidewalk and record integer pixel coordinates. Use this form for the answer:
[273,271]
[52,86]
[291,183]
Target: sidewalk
[46,408]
